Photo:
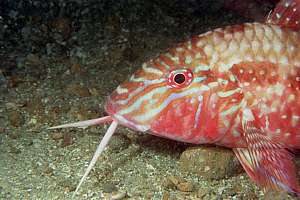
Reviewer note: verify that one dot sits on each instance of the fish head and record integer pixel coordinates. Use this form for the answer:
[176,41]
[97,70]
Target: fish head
[165,96]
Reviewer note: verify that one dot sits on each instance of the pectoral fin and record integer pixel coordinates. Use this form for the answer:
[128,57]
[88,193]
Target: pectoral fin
[268,164]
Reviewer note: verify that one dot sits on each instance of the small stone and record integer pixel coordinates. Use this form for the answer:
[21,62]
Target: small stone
[78,90]
[34,106]
[33,60]
[118,195]
[57,135]
[15,118]
[32,121]
[77,69]
[212,163]
[94,91]
[185,187]
[62,26]
[67,140]
[182,185]
[166,196]
[14,81]
[175,180]
[48,171]
[109,188]
[168,184]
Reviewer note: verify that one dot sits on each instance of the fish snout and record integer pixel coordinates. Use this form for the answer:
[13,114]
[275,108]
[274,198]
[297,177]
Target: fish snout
[114,108]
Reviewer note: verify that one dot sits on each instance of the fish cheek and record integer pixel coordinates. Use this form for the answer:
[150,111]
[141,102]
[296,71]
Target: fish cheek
[177,122]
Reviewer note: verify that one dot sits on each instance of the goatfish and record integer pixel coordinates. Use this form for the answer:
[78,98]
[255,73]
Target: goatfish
[236,87]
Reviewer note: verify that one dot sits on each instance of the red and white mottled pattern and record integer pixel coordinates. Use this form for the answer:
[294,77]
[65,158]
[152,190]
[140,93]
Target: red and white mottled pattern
[234,76]
[237,86]
[251,65]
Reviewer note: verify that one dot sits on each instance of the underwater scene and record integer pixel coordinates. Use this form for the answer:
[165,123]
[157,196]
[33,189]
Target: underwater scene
[137,99]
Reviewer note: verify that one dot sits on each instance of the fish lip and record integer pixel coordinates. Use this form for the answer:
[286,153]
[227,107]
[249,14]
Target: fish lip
[111,109]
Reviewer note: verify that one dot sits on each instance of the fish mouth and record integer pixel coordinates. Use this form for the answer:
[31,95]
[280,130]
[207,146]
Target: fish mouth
[112,109]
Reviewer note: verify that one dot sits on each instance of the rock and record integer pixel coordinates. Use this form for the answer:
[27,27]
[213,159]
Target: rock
[57,135]
[114,195]
[166,196]
[67,140]
[185,187]
[78,90]
[63,27]
[212,163]
[15,118]
[109,188]
[76,68]
[33,60]
[182,185]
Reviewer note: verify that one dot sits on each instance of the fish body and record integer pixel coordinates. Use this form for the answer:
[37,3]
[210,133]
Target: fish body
[237,87]
[253,65]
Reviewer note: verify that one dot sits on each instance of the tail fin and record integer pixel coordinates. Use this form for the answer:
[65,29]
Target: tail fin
[286,14]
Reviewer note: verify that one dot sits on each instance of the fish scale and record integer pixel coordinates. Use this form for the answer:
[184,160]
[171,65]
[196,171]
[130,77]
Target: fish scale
[234,54]
[236,86]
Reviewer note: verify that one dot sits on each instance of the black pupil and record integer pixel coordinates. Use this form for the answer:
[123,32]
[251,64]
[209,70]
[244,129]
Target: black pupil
[179,78]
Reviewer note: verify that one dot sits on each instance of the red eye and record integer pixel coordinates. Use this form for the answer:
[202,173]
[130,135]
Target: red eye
[180,78]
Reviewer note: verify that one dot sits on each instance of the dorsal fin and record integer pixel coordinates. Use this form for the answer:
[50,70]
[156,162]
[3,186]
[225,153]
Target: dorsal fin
[286,14]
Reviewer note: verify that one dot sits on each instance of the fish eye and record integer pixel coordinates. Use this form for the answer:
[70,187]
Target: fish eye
[180,78]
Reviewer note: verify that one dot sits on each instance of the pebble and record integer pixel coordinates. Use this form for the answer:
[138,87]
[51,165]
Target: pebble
[63,27]
[14,81]
[78,90]
[211,163]
[33,60]
[76,68]
[114,195]
[109,188]
[15,118]
[166,196]
[57,135]
[185,187]
[172,182]
[67,140]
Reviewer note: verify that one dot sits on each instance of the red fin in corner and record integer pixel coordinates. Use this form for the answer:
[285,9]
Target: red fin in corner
[267,163]
[286,14]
